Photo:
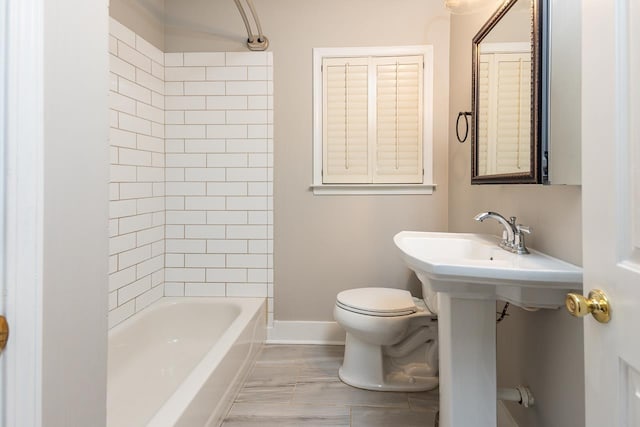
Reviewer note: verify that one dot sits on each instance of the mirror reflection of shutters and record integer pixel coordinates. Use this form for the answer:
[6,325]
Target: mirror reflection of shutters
[482,145]
[513,131]
[346,124]
[504,121]
[398,142]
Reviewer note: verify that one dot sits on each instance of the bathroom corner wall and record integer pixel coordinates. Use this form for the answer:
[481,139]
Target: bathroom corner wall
[219,166]
[543,349]
[136,207]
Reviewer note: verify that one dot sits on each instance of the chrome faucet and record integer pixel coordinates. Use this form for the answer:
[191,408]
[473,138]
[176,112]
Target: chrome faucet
[513,234]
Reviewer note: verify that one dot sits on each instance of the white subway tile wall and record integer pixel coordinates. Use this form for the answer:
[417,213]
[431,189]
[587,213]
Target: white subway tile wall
[137,206]
[219,174]
[191,211]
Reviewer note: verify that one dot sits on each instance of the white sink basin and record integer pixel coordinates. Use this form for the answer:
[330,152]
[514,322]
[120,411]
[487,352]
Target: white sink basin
[458,262]
[462,276]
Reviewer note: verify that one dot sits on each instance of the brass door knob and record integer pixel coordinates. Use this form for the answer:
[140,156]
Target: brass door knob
[597,304]
[4,333]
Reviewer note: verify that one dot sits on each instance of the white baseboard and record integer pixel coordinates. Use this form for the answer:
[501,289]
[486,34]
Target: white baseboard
[504,416]
[301,332]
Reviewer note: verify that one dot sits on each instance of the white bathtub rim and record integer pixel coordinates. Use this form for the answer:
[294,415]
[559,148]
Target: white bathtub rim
[173,408]
[168,301]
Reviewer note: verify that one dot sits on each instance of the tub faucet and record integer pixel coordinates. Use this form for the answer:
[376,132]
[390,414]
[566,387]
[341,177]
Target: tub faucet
[513,234]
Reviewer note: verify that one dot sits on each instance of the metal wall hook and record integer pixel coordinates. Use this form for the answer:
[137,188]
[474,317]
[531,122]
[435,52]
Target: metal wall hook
[466,129]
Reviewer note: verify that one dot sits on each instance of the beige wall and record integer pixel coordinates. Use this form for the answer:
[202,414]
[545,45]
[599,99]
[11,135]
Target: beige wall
[543,349]
[75,244]
[512,27]
[324,244]
[145,17]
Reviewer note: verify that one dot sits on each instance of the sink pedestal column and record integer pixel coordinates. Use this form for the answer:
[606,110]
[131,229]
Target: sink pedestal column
[467,339]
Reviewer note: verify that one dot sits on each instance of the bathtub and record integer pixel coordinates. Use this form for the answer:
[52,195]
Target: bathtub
[181,361]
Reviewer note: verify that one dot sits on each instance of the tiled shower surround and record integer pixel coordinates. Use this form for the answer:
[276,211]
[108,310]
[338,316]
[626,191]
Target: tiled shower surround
[137,204]
[192,174]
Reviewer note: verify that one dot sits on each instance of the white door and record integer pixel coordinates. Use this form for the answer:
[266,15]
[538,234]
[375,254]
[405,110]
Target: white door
[611,207]
[21,147]
[3,290]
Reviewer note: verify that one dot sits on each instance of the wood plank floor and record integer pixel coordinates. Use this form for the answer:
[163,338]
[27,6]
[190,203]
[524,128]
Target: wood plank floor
[298,385]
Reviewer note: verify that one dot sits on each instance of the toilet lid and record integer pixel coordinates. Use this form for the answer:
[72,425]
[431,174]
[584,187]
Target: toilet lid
[377,301]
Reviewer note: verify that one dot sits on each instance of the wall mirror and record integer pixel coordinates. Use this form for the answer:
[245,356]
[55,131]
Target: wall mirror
[509,96]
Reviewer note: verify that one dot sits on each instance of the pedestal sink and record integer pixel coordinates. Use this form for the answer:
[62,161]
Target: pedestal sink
[462,276]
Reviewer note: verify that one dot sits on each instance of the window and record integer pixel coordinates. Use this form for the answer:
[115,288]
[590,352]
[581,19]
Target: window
[372,120]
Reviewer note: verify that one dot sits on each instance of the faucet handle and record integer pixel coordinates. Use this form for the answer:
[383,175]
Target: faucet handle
[519,246]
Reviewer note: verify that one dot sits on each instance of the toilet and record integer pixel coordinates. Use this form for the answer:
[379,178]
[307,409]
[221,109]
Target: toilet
[391,342]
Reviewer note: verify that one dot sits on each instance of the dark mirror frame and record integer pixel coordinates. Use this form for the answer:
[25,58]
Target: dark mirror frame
[537,173]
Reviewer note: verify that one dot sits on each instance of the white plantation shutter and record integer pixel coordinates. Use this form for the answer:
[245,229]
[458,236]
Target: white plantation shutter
[514,112]
[483,115]
[504,125]
[372,120]
[398,144]
[346,125]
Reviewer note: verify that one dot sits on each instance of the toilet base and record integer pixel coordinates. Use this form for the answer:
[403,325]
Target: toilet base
[397,381]
[366,367]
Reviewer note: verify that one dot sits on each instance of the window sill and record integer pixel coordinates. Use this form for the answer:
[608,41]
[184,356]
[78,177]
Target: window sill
[371,189]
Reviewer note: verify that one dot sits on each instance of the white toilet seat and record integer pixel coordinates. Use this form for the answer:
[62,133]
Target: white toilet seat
[379,302]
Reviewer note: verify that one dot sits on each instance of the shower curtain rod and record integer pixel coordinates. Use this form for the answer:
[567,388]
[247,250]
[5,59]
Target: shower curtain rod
[259,42]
